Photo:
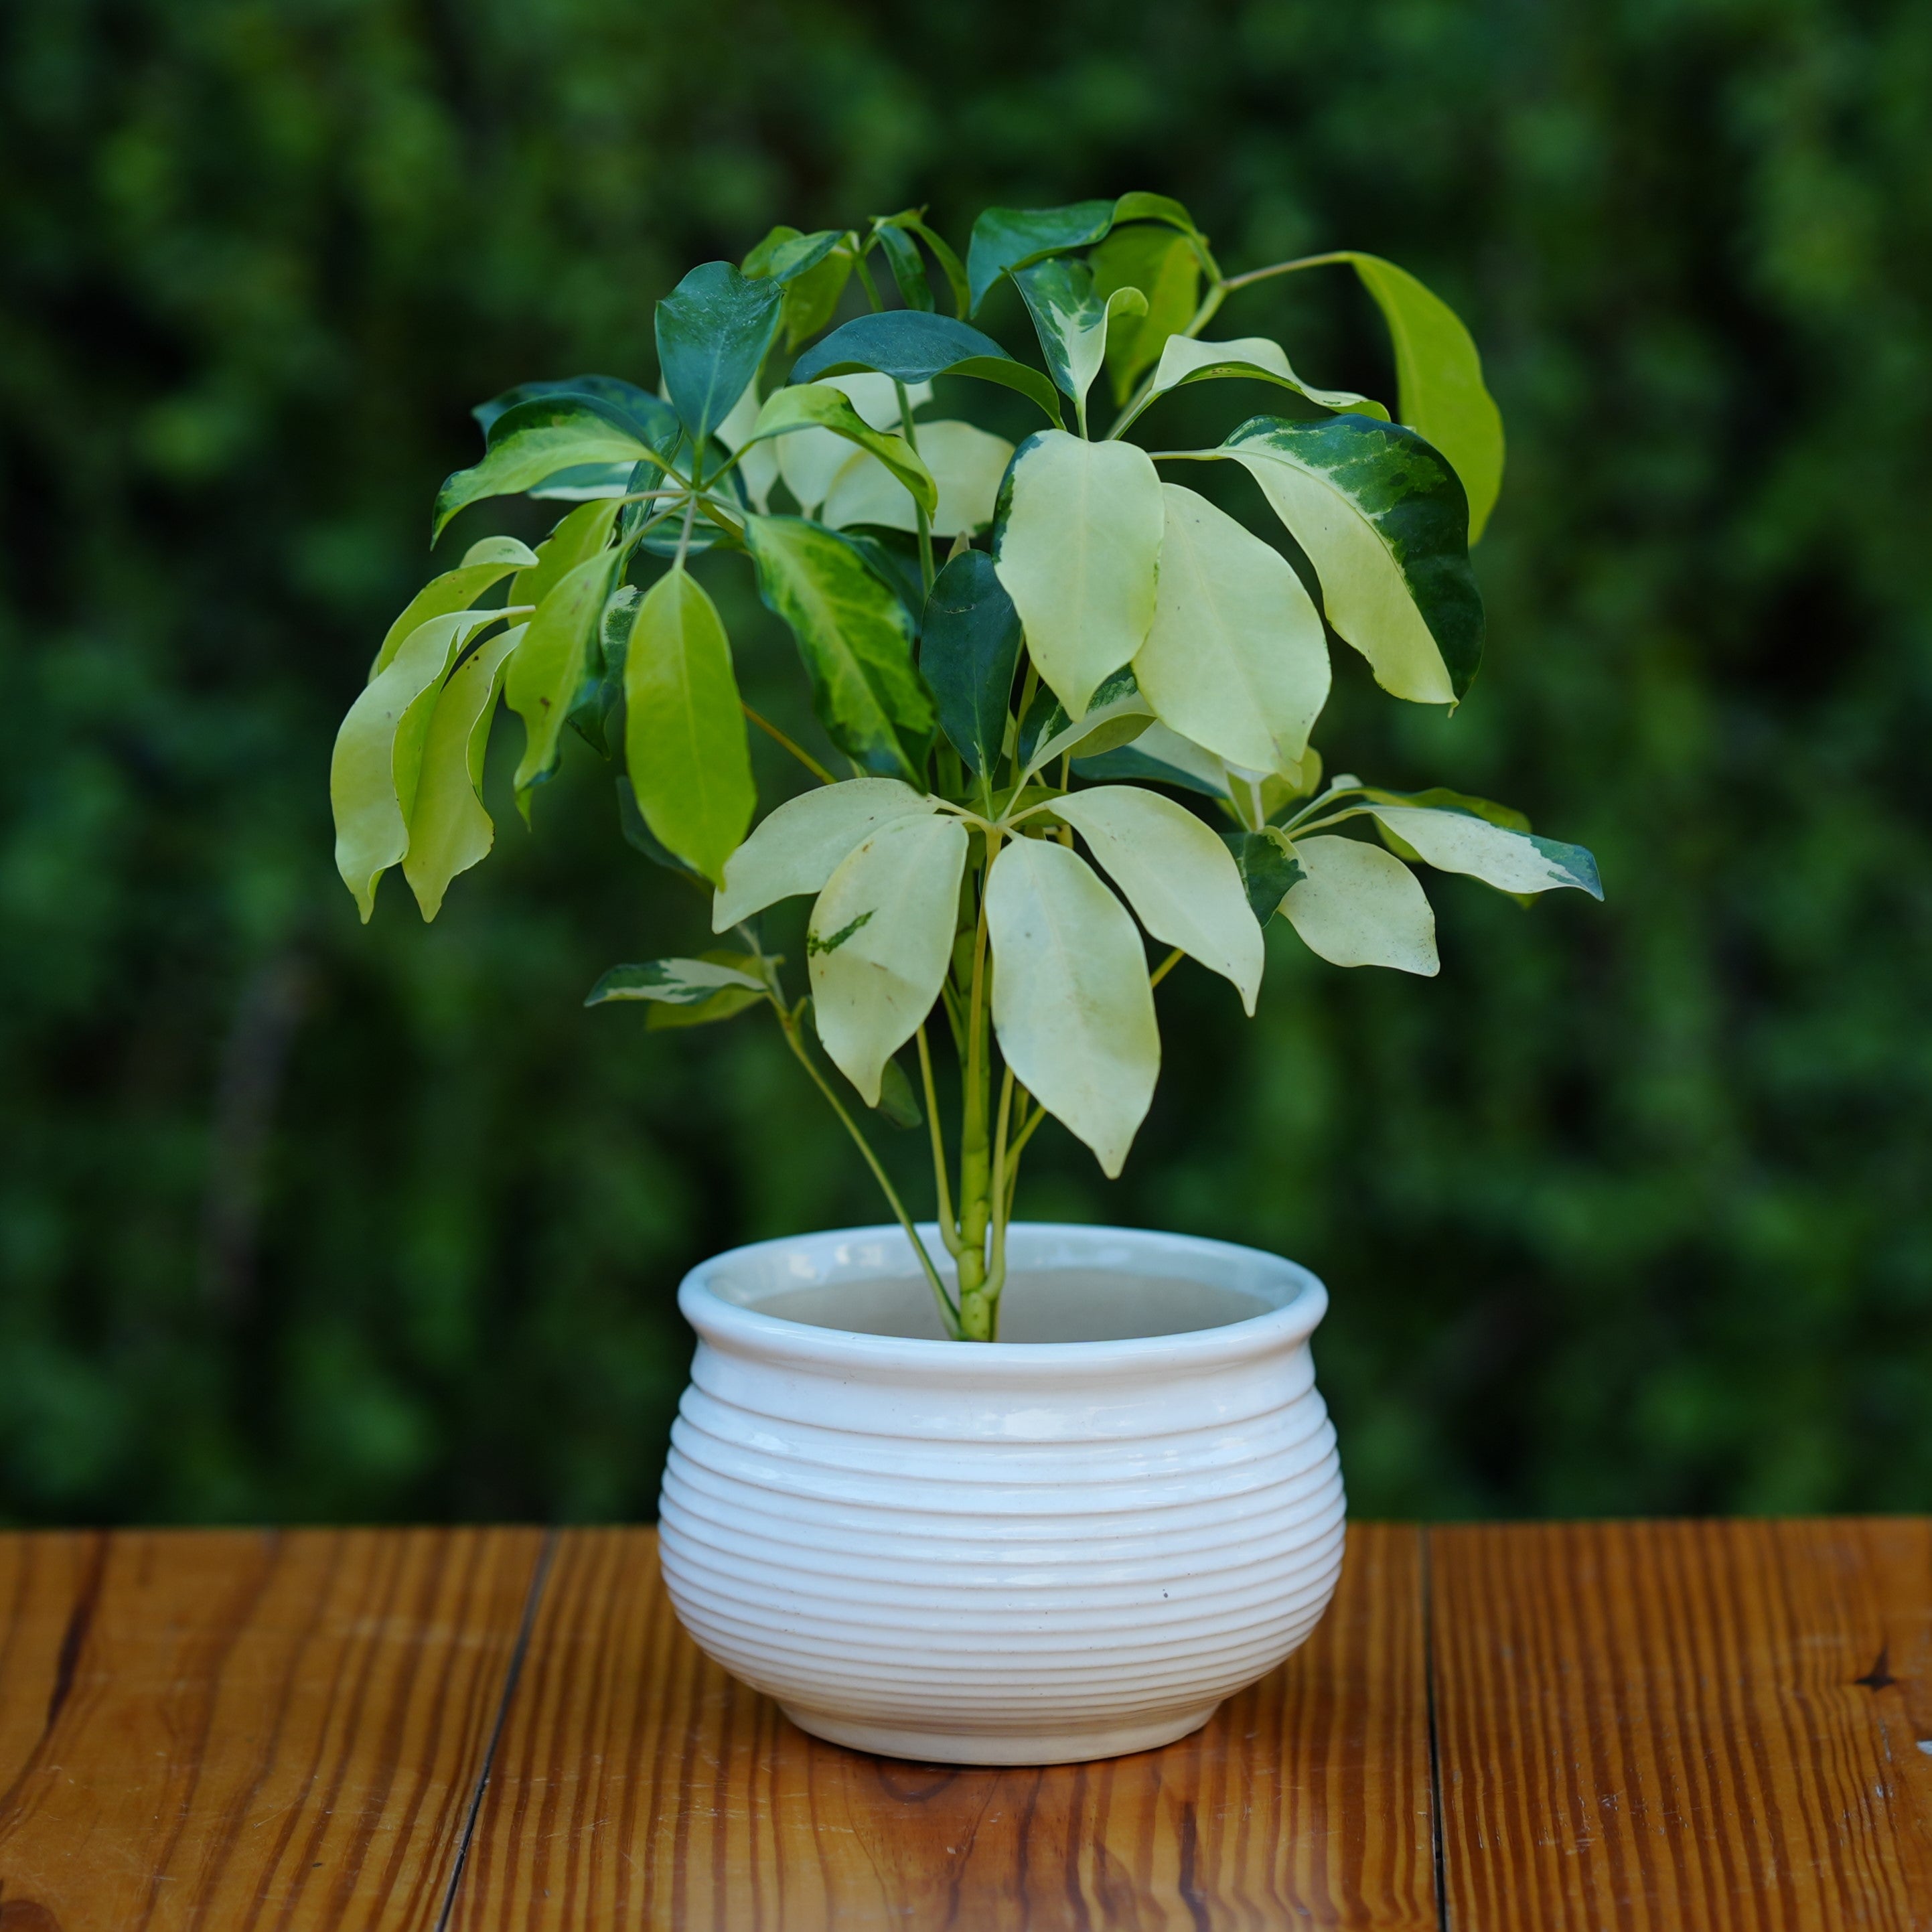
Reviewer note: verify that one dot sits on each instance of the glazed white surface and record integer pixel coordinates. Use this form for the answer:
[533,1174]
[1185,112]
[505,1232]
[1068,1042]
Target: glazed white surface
[1000,1553]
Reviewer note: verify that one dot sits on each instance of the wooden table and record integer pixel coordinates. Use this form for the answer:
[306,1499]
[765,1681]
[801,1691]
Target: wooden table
[1615,1725]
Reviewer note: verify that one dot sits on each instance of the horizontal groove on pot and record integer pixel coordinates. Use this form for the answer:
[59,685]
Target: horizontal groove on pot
[1059,1554]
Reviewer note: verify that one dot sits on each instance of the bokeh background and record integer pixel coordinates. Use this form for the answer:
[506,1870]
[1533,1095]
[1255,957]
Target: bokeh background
[1631,1210]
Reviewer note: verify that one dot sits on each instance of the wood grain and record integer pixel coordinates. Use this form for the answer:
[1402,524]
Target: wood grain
[637,1785]
[1685,1726]
[225,1730]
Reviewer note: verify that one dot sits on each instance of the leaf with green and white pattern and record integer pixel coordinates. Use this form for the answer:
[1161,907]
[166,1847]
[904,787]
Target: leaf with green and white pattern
[911,347]
[1166,269]
[449,830]
[1179,878]
[1007,238]
[1072,321]
[1383,519]
[1252,358]
[1119,714]
[967,465]
[1071,1001]
[1236,659]
[800,844]
[536,439]
[1356,904]
[806,405]
[813,270]
[378,757]
[811,460]
[1159,756]
[856,638]
[677,982]
[684,727]
[880,941]
[1268,866]
[1077,546]
[712,331]
[1439,381]
[1454,839]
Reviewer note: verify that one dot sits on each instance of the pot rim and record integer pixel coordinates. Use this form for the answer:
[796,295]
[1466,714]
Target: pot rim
[739,1329]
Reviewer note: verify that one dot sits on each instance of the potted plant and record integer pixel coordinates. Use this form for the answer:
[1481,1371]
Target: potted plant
[974,1490]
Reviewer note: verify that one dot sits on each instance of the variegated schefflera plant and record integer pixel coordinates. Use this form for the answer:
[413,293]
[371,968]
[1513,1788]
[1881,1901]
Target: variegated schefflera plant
[1076,696]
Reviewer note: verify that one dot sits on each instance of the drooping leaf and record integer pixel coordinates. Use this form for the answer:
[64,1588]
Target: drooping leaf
[908,270]
[1439,382]
[1005,238]
[684,728]
[677,982]
[1236,659]
[1071,1002]
[1452,840]
[1251,357]
[1268,868]
[966,463]
[449,830]
[801,844]
[1178,877]
[548,668]
[1383,519]
[880,940]
[1166,268]
[378,756]
[969,650]
[712,331]
[898,1104]
[911,347]
[1162,207]
[1358,905]
[1078,549]
[855,638]
[807,406]
[454,590]
[1072,321]
[535,440]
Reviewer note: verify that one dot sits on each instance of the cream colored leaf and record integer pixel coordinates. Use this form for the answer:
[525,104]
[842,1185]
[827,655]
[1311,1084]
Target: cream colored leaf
[1071,1001]
[810,459]
[1358,905]
[1177,875]
[1512,861]
[1236,660]
[966,463]
[449,830]
[1185,359]
[880,941]
[1080,555]
[797,847]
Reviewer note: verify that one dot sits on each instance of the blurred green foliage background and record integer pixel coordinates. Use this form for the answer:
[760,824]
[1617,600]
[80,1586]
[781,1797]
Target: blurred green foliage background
[1631,1210]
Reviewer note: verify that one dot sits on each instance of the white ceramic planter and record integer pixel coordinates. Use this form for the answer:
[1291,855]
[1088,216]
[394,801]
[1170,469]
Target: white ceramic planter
[1030,1552]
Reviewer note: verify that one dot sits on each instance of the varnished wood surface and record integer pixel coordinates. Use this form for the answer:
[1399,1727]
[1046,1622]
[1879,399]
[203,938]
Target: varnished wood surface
[638,1785]
[1680,1725]
[1698,1725]
[224,1730]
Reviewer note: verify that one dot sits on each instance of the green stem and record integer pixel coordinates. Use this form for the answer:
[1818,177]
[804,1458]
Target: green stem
[1165,967]
[909,430]
[788,1021]
[996,1273]
[798,751]
[975,1311]
[949,1228]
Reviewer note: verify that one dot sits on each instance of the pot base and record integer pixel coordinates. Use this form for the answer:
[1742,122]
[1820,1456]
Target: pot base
[1001,1748]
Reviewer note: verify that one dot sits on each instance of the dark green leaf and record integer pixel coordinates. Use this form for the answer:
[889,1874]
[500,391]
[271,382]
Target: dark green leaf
[949,265]
[908,270]
[1071,321]
[914,347]
[856,638]
[812,269]
[1045,717]
[712,331]
[1005,238]
[894,564]
[969,650]
[898,1105]
[1166,270]
[1267,867]
[654,418]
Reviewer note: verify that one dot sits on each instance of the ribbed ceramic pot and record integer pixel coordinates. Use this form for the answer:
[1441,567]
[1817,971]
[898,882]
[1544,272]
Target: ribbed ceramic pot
[1028,1552]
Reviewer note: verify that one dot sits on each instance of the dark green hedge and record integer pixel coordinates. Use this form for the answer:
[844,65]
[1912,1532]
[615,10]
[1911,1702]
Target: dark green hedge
[1630,1210]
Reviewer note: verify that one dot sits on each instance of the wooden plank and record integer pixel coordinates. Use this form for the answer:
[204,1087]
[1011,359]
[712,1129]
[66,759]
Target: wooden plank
[224,1730]
[1685,1726]
[637,1784]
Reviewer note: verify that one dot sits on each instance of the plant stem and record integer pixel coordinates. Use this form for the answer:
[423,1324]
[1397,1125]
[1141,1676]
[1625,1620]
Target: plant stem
[996,1274]
[788,1021]
[949,1228]
[798,751]
[975,1311]
[1165,967]
[910,431]
[1233,282]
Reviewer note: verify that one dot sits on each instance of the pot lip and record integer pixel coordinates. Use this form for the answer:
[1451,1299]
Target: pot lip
[742,1330]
